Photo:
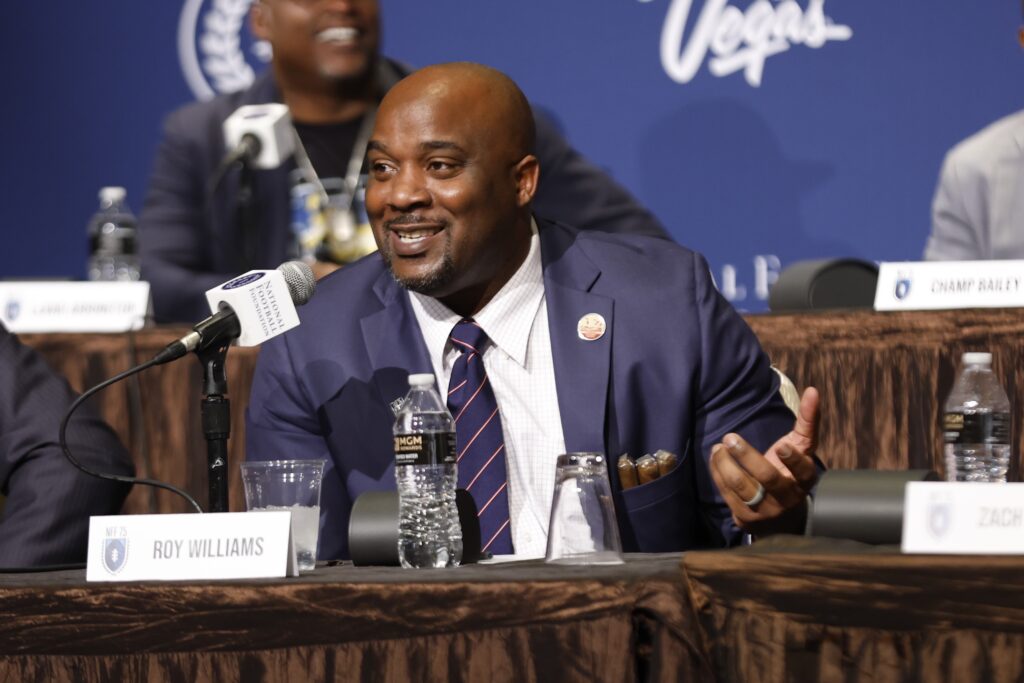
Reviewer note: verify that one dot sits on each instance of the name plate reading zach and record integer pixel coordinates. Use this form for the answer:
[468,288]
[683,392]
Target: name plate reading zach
[219,545]
[933,285]
[73,306]
[963,518]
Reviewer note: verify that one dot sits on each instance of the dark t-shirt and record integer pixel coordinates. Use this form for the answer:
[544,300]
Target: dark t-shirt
[329,145]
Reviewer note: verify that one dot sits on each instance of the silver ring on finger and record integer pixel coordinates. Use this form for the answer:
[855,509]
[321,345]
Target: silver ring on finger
[756,498]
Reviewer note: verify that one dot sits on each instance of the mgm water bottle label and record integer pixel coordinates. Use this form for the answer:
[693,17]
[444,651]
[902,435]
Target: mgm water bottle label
[424,449]
[976,427]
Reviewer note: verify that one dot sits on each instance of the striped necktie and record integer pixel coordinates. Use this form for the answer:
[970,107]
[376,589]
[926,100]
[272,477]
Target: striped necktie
[480,443]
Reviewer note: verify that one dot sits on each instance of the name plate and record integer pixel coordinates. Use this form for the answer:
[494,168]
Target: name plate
[73,306]
[963,518]
[218,545]
[933,285]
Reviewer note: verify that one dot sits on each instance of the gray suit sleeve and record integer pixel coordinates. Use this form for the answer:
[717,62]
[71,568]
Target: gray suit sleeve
[45,517]
[576,192]
[957,231]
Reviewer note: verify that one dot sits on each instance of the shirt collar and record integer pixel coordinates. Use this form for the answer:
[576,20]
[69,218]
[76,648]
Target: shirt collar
[507,318]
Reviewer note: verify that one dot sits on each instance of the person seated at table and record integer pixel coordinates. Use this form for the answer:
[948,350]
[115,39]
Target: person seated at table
[589,341]
[327,67]
[45,517]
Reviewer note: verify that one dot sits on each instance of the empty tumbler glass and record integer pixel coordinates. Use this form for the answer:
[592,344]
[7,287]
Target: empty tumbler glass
[583,529]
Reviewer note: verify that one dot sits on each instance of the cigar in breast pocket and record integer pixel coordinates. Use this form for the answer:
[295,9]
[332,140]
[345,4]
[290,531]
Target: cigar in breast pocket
[627,471]
[646,469]
[666,462]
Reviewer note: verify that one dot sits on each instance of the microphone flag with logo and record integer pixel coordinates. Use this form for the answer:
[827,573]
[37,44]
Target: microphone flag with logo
[252,308]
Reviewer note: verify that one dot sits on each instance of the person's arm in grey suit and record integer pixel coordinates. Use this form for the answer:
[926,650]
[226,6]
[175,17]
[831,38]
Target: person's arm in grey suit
[45,518]
[957,228]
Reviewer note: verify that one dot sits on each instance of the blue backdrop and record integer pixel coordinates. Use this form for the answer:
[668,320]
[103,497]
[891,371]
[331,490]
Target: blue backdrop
[760,132]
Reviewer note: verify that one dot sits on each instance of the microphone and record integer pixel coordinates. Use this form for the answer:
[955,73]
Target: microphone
[253,308]
[259,135]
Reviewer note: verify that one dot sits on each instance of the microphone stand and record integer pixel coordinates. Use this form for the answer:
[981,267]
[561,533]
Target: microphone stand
[215,409]
[244,205]
[216,417]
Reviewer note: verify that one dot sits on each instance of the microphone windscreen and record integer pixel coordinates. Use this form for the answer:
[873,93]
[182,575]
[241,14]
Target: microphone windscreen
[300,280]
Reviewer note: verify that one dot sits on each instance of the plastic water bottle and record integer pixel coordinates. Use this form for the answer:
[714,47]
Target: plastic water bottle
[977,424]
[112,247]
[429,534]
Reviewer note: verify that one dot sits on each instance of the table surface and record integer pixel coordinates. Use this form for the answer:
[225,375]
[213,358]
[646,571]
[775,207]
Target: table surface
[783,609]
[796,609]
[574,622]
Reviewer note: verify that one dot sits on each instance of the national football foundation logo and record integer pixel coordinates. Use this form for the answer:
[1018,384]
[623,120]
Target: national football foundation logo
[115,549]
[218,54]
[903,281]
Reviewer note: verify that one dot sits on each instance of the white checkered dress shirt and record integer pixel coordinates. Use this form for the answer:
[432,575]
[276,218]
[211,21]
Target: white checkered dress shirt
[522,373]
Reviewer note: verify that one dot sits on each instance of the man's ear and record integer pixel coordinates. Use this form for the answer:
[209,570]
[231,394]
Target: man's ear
[259,20]
[527,175]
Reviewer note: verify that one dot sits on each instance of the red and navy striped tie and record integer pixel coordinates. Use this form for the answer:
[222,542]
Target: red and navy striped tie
[480,443]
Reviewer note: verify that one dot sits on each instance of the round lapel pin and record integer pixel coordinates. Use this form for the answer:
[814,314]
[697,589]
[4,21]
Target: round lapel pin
[591,327]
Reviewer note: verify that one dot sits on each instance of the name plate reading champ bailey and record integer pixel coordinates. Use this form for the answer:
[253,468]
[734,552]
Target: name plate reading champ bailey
[73,306]
[963,518]
[219,545]
[933,285]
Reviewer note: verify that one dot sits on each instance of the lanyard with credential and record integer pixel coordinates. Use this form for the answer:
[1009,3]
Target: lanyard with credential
[342,220]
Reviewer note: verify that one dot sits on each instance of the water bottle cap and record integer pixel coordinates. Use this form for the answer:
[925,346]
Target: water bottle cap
[112,194]
[422,379]
[977,358]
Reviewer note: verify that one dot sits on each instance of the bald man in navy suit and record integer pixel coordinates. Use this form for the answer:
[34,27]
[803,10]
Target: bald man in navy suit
[595,342]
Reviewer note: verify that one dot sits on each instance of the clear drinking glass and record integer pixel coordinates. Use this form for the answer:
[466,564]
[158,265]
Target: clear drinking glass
[583,529]
[292,485]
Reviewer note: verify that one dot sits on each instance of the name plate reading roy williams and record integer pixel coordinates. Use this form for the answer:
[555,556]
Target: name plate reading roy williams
[934,285]
[221,545]
[963,518]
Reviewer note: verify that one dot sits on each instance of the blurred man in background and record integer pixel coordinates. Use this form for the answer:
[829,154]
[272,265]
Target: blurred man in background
[978,210]
[327,68]
[45,517]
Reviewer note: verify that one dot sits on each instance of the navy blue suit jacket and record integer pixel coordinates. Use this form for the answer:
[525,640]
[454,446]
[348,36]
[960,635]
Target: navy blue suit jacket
[190,242]
[677,369]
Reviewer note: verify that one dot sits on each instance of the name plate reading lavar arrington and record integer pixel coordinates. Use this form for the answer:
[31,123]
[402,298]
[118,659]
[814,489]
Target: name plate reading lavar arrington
[221,545]
[73,306]
[934,285]
[963,518]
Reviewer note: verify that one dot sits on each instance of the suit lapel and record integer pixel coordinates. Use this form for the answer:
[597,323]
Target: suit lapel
[581,366]
[393,341]
[395,344]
